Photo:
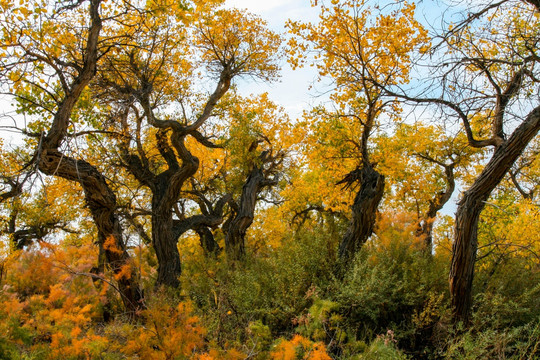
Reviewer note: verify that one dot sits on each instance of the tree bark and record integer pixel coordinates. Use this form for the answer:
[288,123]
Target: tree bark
[167,186]
[211,217]
[208,242]
[243,218]
[99,197]
[101,202]
[166,231]
[165,245]
[364,210]
[468,214]
[424,230]
[165,192]
[236,233]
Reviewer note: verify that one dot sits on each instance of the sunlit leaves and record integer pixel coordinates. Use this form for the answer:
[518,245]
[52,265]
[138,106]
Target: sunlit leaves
[239,42]
[354,42]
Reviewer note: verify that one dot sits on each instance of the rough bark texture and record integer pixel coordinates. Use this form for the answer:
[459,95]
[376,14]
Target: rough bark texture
[165,192]
[364,210]
[166,187]
[166,232]
[211,218]
[208,242]
[471,205]
[236,233]
[245,211]
[101,202]
[424,230]
[169,266]
[99,197]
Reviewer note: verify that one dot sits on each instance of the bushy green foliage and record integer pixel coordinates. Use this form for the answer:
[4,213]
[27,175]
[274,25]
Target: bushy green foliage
[390,303]
[393,286]
[521,342]
[382,348]
[273,289]
[506,317]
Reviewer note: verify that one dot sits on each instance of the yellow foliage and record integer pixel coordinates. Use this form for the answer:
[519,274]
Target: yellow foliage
[110,245]
[299,348]
[167,333]
[240,41]
[124,273]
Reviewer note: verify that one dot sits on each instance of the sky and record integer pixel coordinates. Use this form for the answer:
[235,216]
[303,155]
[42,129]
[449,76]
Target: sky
[291,91]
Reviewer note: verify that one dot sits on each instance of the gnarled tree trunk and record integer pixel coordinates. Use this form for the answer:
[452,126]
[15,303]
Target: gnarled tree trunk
[165,193]
[471,205]
[364,210]
[424,230]
[101,201]
[245,212]
[211,217]
[208,242]
[236,233]
[165,245]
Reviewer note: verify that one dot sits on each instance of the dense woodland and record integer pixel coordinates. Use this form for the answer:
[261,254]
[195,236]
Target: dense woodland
[150,210]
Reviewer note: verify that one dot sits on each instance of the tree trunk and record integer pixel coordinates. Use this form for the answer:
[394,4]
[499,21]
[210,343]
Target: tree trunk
[468,214]
[464,254]
[424,233]
[424,230]
[165,245]
[211,217]
[101,201]
[236,233]
[208,242]
[364,211]
[245,213]
[99,197]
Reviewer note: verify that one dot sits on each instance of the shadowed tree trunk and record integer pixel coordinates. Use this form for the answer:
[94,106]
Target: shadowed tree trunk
[99,198]
[471,205]
[244,213]
[181,165]
[101,202]
[166,189]
[364,210]
[165,245]
[211,217]
[368,198]
[208,242]
[236,233]
[424,230]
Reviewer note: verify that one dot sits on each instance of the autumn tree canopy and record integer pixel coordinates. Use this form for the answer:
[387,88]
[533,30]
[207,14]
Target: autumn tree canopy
[149,208]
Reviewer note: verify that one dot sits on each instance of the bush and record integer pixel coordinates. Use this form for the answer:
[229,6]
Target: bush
[270,289]
[393,286]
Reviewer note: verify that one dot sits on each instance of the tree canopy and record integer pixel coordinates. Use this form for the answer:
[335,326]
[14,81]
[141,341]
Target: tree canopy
[151,209]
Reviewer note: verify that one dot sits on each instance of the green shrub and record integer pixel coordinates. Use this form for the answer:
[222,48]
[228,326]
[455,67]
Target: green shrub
[273,289]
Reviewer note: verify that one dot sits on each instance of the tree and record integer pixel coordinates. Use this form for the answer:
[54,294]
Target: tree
[258,139]
[423,162]
[153,80]
[487,77]
[508,71]
[358,50]
[50,55]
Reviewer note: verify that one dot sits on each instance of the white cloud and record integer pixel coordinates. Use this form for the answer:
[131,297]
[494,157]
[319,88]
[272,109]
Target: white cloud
[256,6]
